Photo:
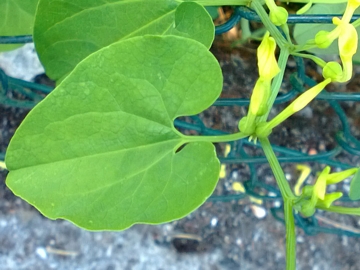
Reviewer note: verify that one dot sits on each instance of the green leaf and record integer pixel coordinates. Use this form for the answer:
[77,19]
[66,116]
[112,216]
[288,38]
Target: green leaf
[65,33]
[102,151]
[16,18]
[354,193]
[213,11]
[304,32]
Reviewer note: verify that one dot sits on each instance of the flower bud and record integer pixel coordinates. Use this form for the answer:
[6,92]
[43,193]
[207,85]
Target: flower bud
[305,98]
[333,70]
[324,39]
[307,190]
[278,15]
[307,209]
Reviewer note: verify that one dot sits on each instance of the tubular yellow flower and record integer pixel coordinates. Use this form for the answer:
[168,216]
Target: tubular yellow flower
[352,5]
[330,198]
[348,43]
[348,39]
[320,185]
[267,64]
[308,96]
[319,195]
[259,97]
[299,103]
[268,69]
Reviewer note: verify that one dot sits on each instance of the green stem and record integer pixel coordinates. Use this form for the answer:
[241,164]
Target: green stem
[288,198]
[276,83]
[215,139]
[283,184]
[310,44]
[274,31]
[286,31]
[314,58]
[245,29]
[290,235]
[340,210]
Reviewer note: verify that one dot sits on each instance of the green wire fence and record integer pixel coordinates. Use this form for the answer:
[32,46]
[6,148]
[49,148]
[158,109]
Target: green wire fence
[346,142]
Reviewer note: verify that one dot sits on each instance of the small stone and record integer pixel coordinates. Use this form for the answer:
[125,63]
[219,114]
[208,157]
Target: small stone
[41,252]
[21,63]
[300,239]
[258,211]
[235,174]
[272,194]
[277,204]
[239,242]
[214,222]
[109,251]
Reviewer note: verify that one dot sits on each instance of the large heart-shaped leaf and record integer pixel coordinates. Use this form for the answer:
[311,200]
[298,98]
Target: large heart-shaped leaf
[101,150]
[16,18]
[67,31]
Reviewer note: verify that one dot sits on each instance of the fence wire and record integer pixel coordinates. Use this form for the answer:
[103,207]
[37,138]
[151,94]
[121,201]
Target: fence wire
[346,142]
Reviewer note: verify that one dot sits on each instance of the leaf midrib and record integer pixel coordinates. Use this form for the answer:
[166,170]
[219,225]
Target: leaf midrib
[176,142]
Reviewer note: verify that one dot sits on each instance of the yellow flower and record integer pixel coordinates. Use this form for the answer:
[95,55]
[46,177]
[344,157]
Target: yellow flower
[347,43]
[267,64]
[268,69]
[315,196]
[352,5]
[348,39]
[299,103]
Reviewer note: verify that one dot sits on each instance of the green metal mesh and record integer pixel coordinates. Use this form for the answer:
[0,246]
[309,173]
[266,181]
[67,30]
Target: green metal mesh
[254,187]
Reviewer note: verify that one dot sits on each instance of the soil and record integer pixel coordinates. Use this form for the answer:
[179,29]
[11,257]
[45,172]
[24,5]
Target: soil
[220,234]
